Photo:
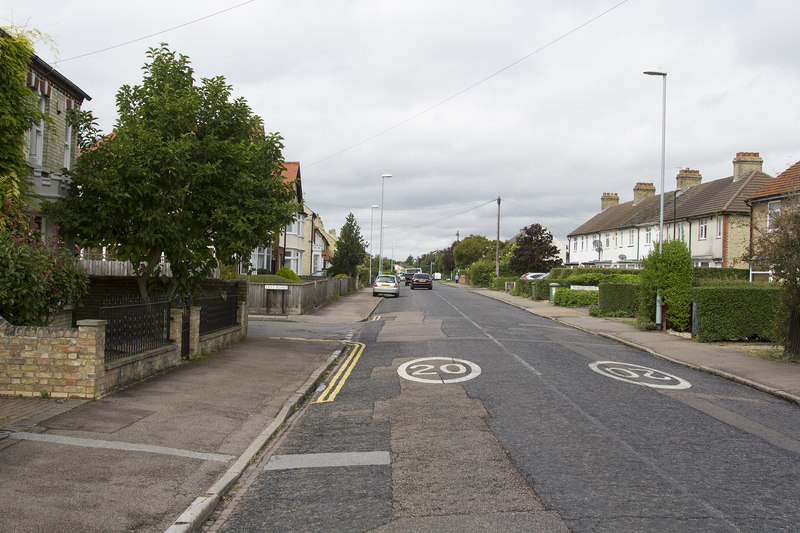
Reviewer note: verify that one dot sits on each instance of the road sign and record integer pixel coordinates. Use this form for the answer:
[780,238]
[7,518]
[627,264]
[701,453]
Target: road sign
[439,370]
[639,375]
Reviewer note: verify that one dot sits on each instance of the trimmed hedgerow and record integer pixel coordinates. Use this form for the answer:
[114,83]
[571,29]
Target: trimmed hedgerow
[499,284]
[565,297]
[618,299]
[701,274]
[541,288]
[737,312]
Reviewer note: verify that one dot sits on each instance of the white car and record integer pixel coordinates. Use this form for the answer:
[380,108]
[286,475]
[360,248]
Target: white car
[386,284]
[535,275]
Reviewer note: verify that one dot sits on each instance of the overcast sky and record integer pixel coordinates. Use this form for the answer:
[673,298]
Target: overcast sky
[540,102]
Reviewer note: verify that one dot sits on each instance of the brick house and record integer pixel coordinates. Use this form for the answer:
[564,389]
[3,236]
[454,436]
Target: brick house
[767,202]
[51,148]
[711,218]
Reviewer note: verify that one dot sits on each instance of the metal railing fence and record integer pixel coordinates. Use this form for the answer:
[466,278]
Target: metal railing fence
[217,311]
[134,326]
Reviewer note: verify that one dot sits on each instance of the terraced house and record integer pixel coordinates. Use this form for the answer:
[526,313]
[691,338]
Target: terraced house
[712,218]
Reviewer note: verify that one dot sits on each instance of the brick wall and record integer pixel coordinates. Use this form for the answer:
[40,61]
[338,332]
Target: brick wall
[62,362]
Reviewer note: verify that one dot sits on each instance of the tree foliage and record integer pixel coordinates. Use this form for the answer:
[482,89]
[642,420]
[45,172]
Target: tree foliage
[37,278]
[473,248]
[534,251]
[669,271]
[19,110]
[188,172]
[780,247]
[350,249]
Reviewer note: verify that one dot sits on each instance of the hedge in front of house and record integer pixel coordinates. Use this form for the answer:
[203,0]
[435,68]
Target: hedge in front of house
[499,284]
[618,299]
[541,288]
[737,312]
[522,287]
[565,297]
[561,273]
[704,273]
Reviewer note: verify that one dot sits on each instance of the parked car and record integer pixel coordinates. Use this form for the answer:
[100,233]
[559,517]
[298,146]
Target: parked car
[386,284]
[421,281]
[320,273]
[535,275]
[401,276]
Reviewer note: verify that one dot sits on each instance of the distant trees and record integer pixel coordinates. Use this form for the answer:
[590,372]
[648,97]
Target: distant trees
[471,249]
[534,251]
[350,249]
[188,173]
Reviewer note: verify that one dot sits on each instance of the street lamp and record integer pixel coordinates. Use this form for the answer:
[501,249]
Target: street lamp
[659,321]
[380,248]
[372,209]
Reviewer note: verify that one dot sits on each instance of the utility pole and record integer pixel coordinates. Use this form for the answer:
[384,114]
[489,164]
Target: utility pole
[497,248]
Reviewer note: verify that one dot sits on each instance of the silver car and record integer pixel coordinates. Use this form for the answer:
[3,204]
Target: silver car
[386,284]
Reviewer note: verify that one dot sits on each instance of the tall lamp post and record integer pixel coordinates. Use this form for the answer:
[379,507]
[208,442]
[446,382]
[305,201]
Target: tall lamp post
[380,247]
[659,318]
[372,209]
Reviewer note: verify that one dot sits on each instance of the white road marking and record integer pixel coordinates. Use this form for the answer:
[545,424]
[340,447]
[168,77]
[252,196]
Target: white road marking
[124,446]
[326,460]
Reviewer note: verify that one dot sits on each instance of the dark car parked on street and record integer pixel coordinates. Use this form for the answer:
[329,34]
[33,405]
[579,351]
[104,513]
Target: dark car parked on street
[421,281]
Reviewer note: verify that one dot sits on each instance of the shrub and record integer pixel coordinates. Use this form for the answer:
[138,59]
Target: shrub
[541,288]
[287,273]
[481,273]
[737,312]
[499,284]
[671,272]
[523,287]
[703,274]
[618,299]
[565,297]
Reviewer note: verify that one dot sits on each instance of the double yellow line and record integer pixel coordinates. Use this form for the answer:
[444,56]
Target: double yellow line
[356,349]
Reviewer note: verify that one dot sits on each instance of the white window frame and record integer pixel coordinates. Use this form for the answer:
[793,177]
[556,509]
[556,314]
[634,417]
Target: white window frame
[36,139]
[631,234]
[648,236]
[719,226]
[608,239]
[702,229]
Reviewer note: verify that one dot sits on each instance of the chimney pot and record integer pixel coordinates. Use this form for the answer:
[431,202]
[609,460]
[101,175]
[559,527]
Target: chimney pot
[608,199]
[688,178]
[745,162]
[643,190]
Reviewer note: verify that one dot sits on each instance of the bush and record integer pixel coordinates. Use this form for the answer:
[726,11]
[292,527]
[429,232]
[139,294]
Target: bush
[618,299]
[671,272]
[602,275]
[523,287]
[287,273]
[499,284]
[481,273]
[37,278]
[565,297]
[541,288]
[738,312]
[707,274]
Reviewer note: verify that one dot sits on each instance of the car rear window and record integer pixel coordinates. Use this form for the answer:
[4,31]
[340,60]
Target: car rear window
[384,279]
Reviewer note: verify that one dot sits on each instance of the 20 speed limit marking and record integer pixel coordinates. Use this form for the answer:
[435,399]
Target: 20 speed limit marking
[639,375]
[433,370]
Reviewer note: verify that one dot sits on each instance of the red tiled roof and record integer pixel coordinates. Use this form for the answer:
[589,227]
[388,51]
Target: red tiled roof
[786,182]
[291,176]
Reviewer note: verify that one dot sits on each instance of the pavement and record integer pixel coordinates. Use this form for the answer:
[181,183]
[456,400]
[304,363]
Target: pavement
[159,455]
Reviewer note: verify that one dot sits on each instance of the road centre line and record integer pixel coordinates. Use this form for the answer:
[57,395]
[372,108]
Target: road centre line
[327,460]
[357,348]
[123,446]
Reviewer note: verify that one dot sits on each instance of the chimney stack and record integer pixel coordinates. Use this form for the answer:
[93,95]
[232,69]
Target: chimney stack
[745,162]
[688,178]
[608,199]
[642,191]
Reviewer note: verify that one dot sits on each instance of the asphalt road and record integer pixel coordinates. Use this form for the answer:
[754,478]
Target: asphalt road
[457,412]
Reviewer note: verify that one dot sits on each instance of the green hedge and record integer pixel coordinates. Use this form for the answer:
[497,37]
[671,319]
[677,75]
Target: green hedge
[560,274]
[565,297]
[541,288]
[522,287]
[737,312]
[499,284]
[618,299]
[701,273]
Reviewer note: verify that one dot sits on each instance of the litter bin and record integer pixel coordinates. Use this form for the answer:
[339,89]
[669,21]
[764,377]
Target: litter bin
[553,287]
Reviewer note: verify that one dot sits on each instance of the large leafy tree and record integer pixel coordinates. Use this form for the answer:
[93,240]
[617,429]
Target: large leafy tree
[473,248]
[670,272]
[19,110]
[534,251]
[350,248]
[188,172]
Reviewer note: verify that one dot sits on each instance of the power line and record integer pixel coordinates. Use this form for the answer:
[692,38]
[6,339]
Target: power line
[157,33]
[470,87]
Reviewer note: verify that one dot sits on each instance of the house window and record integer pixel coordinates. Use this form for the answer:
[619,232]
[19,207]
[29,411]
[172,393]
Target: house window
[608,238]
[681,233]
[702,229]
[630,237]
[773,210]
[262,258]
[575,245]
[68,147]
[293,259]
[719,227]
[648,236]
[36,139]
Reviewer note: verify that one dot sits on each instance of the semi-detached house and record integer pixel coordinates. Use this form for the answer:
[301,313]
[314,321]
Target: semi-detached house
[712,218]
